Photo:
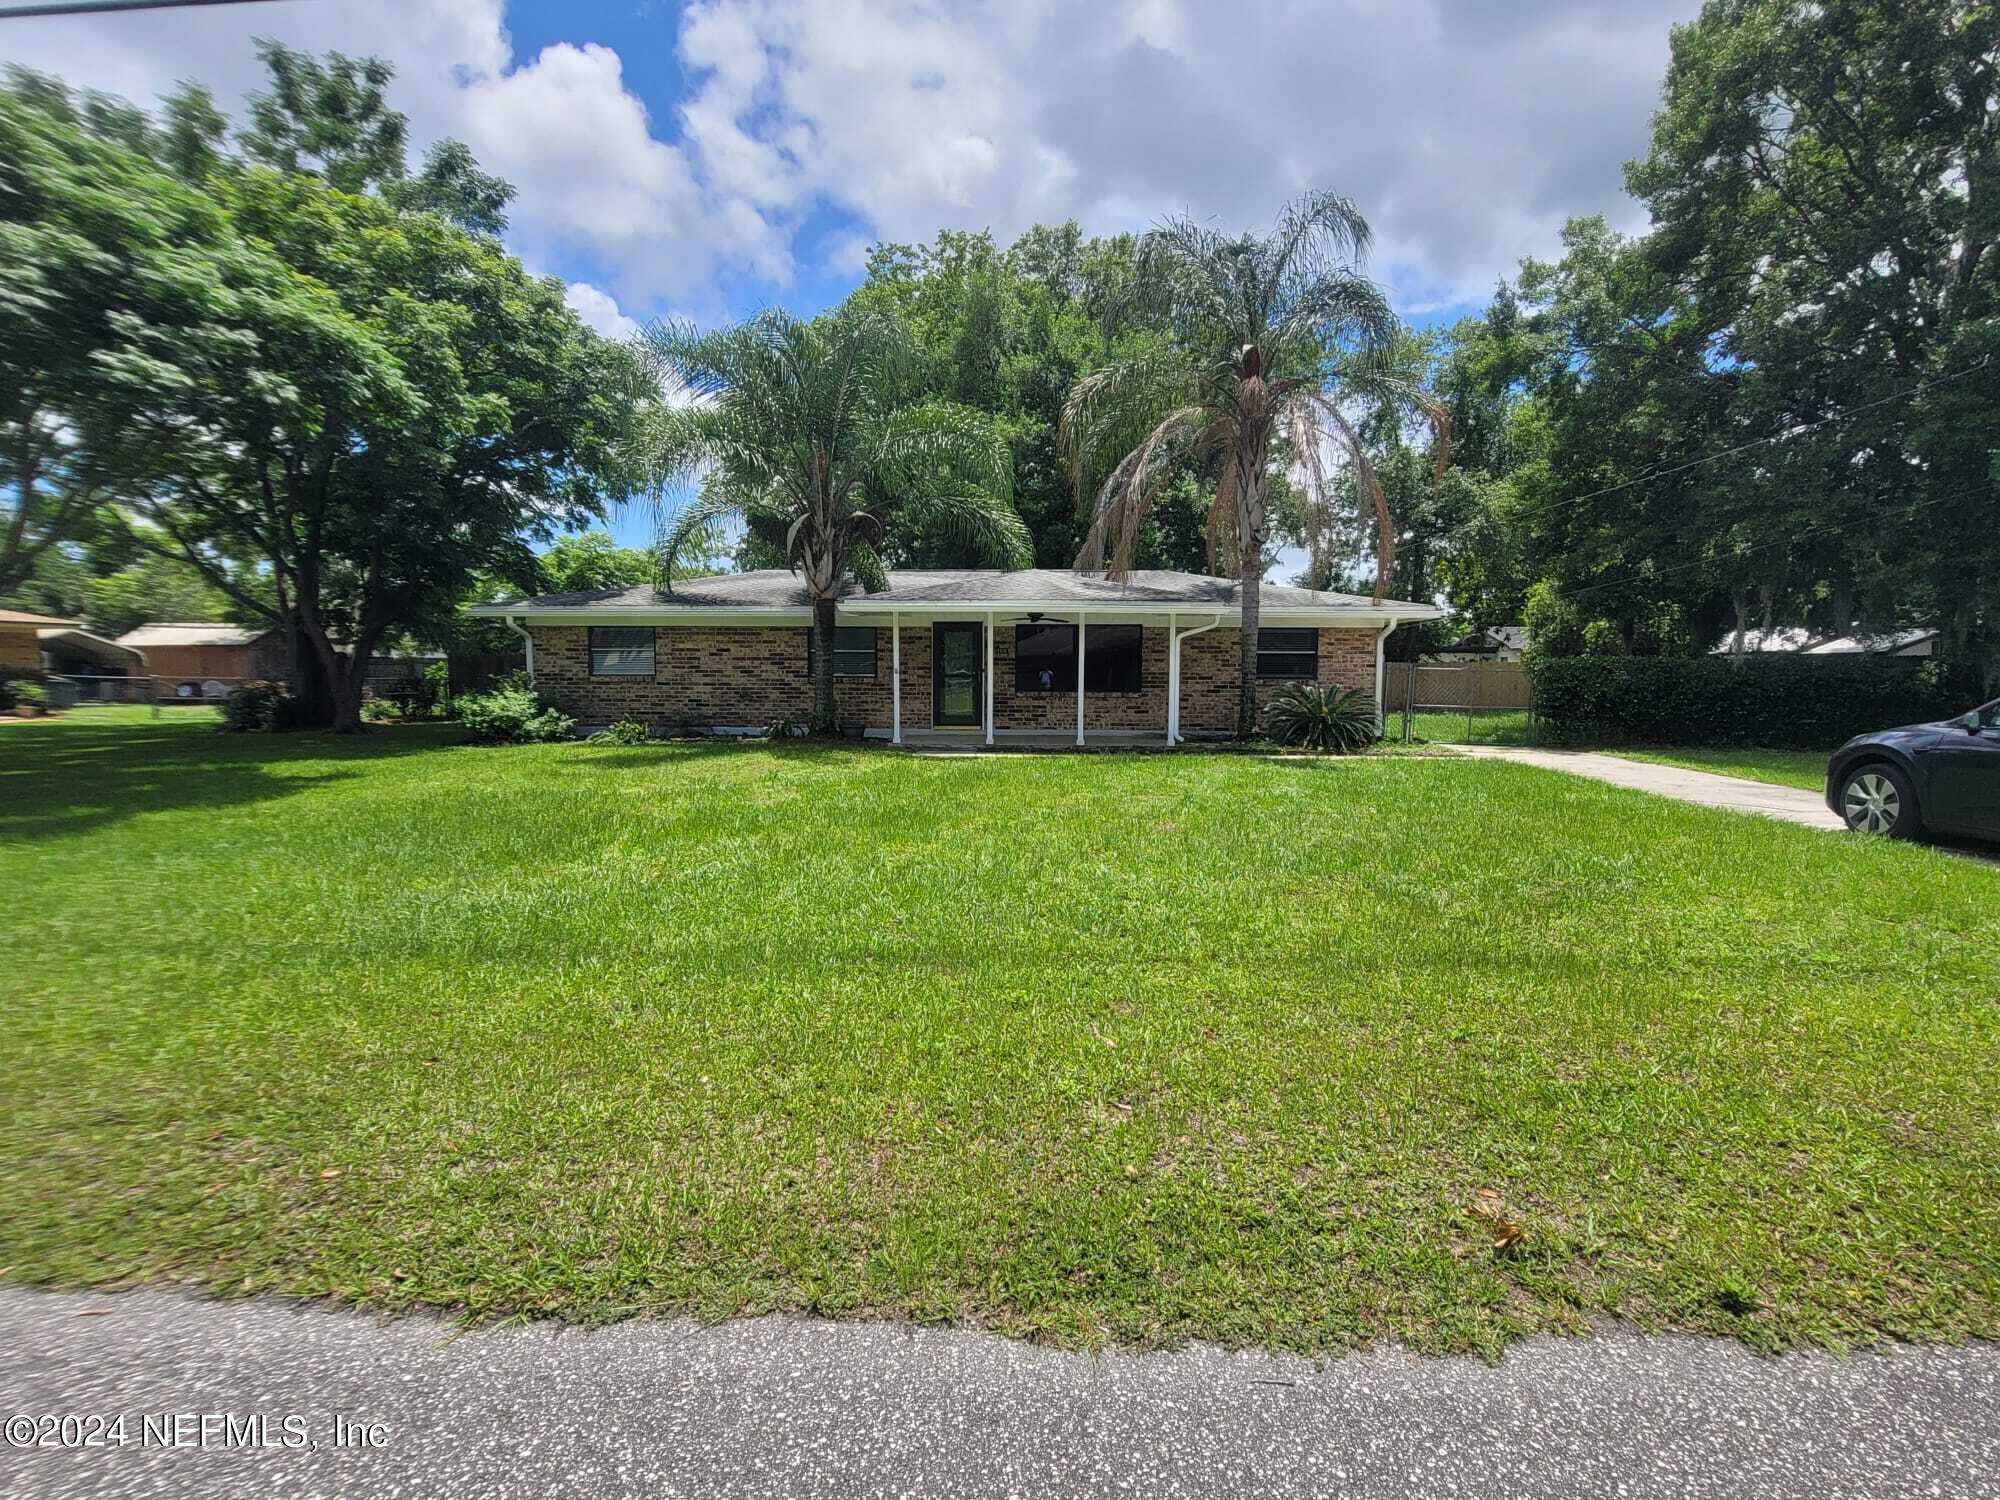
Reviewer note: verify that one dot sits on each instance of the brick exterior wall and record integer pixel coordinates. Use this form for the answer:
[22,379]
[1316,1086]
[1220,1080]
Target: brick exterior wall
[1208,675]
[739,675]
[20,650]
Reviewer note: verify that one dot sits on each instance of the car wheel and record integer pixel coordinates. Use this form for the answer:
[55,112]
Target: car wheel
[1878,798]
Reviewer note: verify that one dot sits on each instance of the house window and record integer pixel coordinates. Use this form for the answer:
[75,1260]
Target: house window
[1288,653]
[853,651]
[1045,658]
[621,651]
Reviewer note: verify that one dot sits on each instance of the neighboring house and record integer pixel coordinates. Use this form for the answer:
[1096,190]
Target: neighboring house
[973,652]
[21,641]
[78,653]
[206,661]
[1789,638]
[1777,638]
[1495,643]
[1894,643]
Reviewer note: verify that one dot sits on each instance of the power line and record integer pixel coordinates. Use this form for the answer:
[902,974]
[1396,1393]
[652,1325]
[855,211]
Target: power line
[92,7]
[1776,437]
[1709,562]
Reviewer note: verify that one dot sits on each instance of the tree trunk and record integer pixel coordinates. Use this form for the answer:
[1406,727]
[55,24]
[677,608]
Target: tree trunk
[347,699]
[823,720]
[311,689]
[1250,456]
[1252,596]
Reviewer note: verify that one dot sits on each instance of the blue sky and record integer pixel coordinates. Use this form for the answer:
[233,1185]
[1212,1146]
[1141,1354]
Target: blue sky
[709,158]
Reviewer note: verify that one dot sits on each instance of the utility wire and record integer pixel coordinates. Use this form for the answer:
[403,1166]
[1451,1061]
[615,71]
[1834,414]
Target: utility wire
[1712,562]
[1777,437]
[92,7]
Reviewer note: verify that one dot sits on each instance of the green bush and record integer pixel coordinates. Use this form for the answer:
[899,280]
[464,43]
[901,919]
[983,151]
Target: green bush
[624,732]
[1780,701]
[25,692]
[258,707]
[512,716]
[435,695]
[1332,719]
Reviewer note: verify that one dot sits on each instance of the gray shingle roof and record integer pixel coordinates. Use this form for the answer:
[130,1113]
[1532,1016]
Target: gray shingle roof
[930,588]
[169,633]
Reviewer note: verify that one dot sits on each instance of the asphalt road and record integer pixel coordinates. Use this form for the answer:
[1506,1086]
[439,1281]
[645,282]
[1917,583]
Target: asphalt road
[794,1407]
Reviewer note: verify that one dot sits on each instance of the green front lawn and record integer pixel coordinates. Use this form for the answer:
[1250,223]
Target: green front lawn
[1800,768]
[1112,1047]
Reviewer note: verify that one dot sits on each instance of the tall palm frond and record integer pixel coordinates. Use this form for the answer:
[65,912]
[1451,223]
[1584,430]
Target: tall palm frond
[1265,331]
[806,430]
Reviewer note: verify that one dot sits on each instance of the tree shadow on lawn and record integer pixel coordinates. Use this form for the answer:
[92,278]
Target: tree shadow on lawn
[716,747]
[59,783]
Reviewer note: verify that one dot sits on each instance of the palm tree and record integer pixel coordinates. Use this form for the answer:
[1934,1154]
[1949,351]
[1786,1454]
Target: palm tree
[801,432]
[1269,336]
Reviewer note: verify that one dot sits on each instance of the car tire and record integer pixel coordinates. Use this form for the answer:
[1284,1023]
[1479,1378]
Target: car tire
[1878,798]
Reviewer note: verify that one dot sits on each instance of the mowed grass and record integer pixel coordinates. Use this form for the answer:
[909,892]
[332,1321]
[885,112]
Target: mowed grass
[1485,726]
[1800,768]
[1088,1049]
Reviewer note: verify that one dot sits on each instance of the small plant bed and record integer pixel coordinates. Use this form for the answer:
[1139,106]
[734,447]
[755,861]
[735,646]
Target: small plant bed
[1293,1050]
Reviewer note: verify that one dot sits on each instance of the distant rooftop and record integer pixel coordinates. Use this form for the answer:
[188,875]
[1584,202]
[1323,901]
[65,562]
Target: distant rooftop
[23,617]
[170,633]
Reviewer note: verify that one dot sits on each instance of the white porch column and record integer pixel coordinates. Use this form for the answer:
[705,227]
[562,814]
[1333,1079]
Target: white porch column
[989,677]
[895,678]
[1173,674]
[1079,676]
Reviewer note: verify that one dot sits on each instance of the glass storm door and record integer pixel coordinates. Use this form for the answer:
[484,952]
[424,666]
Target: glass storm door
[955,689]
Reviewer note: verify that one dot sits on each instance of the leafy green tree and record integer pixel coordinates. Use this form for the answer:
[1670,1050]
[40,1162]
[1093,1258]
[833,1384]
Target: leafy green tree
[1007,332]
[370,403]
[1270,335]
[94,240]
[387,409]
[594,560]
[152,588]
[329,117]
[1824,180]
[807,434]
[452,187]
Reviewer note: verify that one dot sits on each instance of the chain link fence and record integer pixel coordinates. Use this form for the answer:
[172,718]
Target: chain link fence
[1461,703]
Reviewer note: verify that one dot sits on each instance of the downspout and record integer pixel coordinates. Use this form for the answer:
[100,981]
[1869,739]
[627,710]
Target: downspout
[529,642]
[1381,675]
[1174,735]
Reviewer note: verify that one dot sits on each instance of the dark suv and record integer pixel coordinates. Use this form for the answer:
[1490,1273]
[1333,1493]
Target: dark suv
[1924,778]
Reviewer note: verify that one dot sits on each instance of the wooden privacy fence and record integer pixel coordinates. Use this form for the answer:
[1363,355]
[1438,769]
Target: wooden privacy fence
[1453,700]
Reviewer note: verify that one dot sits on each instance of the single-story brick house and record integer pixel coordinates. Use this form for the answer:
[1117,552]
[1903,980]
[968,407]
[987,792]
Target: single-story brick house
[967,652]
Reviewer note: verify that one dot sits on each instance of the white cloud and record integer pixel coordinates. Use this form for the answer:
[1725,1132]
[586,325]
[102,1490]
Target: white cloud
[599,310]
[1468,130]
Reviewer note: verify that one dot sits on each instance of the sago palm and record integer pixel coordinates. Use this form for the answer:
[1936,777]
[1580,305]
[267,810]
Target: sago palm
[802,432]
[1269,336]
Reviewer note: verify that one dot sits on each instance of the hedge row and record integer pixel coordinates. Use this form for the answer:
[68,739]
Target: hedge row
[1802,702]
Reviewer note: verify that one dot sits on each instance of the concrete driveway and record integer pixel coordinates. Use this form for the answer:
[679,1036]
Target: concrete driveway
[798,1407]
[1788,803]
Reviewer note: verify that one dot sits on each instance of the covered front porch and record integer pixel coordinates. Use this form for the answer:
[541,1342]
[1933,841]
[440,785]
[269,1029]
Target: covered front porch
[1028,679]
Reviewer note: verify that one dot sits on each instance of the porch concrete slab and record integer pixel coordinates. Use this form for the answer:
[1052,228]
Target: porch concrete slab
[1789,804]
